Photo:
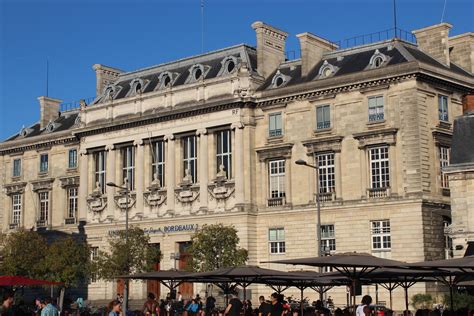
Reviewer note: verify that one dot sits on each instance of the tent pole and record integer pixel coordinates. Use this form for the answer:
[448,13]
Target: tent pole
[301,302]
[390,292]
[354,295]
[451,293]
[406,297]
[376,293]
[245,291]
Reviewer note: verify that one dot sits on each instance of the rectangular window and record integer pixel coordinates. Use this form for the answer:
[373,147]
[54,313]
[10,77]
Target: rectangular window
[128,166]
[100,164]
[444,157]
[17,167]
[44,163]
[277,178]
[276,239]
[224,152]
[44,206]
[72,162]
[323,117]
[381,239]
[443,108]
[94,258]
[328,238]
[72,202]
[379,167]
[376,112]
[275,124]
[16,209]
[327,179]
[158,162]
[190,158]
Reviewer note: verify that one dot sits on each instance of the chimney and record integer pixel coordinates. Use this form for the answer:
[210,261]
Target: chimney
[312,50]
[461,51]
[105,75]
[49,110]
[468,104]
[270,48]
[433,40]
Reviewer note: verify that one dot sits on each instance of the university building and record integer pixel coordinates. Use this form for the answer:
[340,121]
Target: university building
[214,139]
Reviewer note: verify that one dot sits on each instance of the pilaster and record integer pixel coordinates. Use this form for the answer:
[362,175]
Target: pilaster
[83,171]
[239,162]
[139,174]
[203,169]
[170,172]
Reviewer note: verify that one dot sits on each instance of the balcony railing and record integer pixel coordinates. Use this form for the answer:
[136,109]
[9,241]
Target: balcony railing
[378,193]
[327,196]
[13,225]
[323,125]
[275,132]
[70,221]
[275,202]
[41,223]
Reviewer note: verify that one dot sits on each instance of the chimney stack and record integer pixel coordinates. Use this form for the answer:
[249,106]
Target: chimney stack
[312,50]
[49,110]
[468,104]
[270,48]
[433,40]
[461,51]
[105,75]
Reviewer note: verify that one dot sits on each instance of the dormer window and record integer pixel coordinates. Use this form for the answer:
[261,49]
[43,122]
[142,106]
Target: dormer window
[327,70]
[197,72]
[228,65]
[50,127]
[280,80]
[109,93]
[165,80]
[137,86]
[377,60]
[24,131]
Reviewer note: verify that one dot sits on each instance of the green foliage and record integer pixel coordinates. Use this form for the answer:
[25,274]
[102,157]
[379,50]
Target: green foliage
[216,246]
[422,301]
[23,252]
[460,300]
[68,261]
[141,255]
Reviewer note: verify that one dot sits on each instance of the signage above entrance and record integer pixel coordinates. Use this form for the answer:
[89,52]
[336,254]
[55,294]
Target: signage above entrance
[163,230]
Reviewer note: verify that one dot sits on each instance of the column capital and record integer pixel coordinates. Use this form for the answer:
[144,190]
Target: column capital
[169,137]
[109,147]
[201,131]
[83,152]
[237,125]
[138,142]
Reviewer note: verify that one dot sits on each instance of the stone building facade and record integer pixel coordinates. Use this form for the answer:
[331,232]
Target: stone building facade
[214,139]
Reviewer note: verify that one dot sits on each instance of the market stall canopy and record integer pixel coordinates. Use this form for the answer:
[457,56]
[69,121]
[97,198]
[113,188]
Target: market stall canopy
[159,275]
[9,280]
[465,264]
[240,274]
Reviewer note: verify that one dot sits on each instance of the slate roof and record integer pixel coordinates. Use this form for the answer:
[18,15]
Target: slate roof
[462,147]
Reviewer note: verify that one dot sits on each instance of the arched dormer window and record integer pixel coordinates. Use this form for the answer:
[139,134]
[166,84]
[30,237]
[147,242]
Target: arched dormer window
[327,70]
[51,127]
[378,60]
[24,131]
[196,73]
[228,66]
[279,80]
[109,92]
[165,80]
[136,86]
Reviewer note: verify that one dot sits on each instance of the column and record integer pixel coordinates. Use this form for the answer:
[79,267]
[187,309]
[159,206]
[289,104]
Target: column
[239,162]
[170,172]
[110,177]
[83,180]
[203,168]
[139,174]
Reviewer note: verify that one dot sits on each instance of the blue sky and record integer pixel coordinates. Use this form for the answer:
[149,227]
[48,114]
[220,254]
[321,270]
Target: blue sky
[75,34]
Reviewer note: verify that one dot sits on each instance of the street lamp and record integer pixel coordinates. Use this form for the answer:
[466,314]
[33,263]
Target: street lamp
[127,192]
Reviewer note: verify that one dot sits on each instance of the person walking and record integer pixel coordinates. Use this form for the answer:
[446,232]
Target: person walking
[114,308]
[47,308]
[363,309]
[150,306]
[265,307]
[234,308]
[210,305]
[277,306]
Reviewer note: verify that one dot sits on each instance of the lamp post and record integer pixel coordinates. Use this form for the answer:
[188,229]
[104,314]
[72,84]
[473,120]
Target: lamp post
[302,162]
[127,192]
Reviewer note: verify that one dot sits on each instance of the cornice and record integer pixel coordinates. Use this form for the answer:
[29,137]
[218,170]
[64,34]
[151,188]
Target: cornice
[34,144]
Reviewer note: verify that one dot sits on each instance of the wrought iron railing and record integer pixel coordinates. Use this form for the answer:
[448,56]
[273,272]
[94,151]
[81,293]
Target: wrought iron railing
[70,106]
[70,220]
[41,223]
[13,225]
[275,202]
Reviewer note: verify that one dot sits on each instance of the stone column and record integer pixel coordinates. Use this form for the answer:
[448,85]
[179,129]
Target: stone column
[110,177]
[139,174]
[203,169]
[83,180]
[239,163]
[170,172]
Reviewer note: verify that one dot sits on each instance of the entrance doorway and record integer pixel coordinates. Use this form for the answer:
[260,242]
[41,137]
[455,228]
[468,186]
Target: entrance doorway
[185,288]
[153,286]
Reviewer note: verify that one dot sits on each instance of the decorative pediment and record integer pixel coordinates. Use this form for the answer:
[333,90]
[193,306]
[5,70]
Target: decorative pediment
[384,136]
[42,185]
[442,137]
[69,181]
[274,151]
[15,188]
[332,143]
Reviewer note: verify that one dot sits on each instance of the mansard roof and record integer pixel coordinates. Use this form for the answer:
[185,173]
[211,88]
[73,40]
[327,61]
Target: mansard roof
[180,70]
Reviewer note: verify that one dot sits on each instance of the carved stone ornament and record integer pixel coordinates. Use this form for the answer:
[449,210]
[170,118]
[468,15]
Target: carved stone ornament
[332,143]
[69,181]
[42,185]
[221,188]
[96,201]
[385,136]
[155,195]
[186,193]
[15,188]
[274,151]
[121,200]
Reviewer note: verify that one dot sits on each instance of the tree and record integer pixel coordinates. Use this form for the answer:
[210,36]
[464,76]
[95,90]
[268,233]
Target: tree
[22,254]
[141,255]
[68,261]
[216,246]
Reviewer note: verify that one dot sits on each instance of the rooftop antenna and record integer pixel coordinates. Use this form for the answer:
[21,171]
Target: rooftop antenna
[202,26]
[47,76]
[444,9]
[395,17]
